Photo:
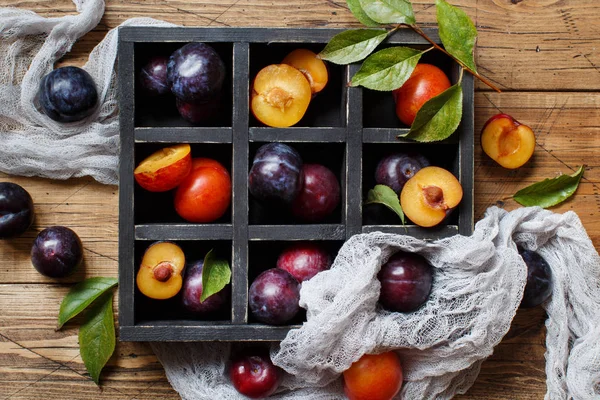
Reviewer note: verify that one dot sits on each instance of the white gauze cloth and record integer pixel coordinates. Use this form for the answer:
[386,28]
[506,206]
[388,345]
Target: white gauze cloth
[478,285]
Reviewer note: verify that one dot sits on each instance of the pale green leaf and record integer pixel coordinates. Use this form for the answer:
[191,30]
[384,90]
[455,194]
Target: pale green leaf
[352,45]
[382,194]
[82,295]
[457,31]
[439,117]
[387,69]
[389,11]
[549,192]
[359,13]
[97,335]
[216,274]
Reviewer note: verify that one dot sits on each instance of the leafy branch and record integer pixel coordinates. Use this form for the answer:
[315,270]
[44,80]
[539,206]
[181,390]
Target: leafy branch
[461,63]
[390,68]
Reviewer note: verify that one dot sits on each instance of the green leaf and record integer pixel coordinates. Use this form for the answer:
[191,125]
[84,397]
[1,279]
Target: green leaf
[97,335]
[82,295]
[360,14]
[352,45]
[439,117]
[382,194]
[216,274]
[550,192]
[387,69]
[389,11]
[457,31]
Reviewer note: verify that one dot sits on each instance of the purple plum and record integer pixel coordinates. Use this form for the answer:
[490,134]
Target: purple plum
[274,297]
[276,174]
[539,285]
[320,194]
[68,94]
[197,113]
[56,252]
[394,170]
[192,290]
[304,260]
[195,73]
[153,77]
[253,374]
[406,281]
[16,210]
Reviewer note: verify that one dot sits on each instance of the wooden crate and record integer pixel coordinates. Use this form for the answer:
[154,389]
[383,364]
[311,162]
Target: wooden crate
[347,129]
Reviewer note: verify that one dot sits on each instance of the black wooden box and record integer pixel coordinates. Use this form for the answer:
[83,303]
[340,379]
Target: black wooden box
[347,129]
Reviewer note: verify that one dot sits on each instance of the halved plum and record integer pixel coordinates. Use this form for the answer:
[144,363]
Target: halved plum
[164,169]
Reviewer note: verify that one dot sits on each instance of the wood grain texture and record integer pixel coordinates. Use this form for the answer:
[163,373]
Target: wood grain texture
[542,52]
[522,45]
[566,127]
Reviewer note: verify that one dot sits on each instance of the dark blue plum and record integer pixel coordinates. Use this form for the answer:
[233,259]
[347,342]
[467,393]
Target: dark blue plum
[197,113]
[406,281]
[192,290]
[539,279]
[56,252]
[195,73]
[68,94]
[153,77]
[276,174]
[16,210]
[395,169]
[274,297]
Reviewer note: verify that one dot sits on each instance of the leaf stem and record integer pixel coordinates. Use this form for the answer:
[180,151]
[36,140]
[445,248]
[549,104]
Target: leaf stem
[394,29]
[418,30]
[462,72]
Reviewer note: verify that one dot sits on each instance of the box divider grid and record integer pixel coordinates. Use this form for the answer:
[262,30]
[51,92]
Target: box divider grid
[239,260]
[184,135]
[183,232]
[126,185]
[297,232]
[299,135]
[466,151]
[353,169]
[414,230]
[150,34]
[168,331]
[390,135]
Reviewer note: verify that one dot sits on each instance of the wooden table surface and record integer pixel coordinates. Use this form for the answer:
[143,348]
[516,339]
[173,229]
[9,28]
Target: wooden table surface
[542,53]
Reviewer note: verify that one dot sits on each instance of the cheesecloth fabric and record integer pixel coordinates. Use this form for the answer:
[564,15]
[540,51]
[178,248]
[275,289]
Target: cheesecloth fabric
[32,144]
[478,285]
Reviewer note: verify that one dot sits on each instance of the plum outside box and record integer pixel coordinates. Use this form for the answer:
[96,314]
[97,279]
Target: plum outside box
[347,129]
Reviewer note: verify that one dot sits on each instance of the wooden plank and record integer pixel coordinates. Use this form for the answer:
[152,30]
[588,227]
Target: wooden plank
[517,48]
[33,354]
